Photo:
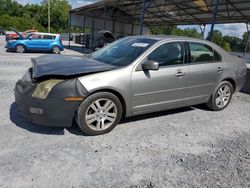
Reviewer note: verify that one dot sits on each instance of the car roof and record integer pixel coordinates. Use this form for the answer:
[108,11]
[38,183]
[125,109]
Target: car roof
[170,37]
[40,33]
[173,37]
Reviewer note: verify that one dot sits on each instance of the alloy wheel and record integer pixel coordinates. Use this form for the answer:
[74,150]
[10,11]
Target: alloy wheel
[101,114]
[223,96]
[56,50]
[20,49]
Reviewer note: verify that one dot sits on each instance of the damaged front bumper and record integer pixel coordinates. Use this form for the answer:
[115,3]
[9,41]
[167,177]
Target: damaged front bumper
[53,111]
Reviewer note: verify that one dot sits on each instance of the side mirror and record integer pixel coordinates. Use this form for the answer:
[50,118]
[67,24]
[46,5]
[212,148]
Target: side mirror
[30,37]
[150,65]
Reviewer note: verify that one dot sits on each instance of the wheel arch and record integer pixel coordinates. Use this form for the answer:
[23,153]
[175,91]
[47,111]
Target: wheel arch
[231,81]
[118,95]
[55,44]
[20,43]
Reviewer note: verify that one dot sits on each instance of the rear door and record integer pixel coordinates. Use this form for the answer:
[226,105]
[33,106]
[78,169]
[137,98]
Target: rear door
[47,41]
[205,68]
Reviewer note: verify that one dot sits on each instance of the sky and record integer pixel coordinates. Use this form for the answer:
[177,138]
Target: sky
[237,29]
[226,29]
[74,3]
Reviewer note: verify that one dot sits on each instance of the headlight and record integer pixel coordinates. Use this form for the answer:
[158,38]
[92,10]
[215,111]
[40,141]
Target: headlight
[43,88]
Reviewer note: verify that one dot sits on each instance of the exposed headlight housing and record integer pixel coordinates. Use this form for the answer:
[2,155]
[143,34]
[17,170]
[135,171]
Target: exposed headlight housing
[43,88]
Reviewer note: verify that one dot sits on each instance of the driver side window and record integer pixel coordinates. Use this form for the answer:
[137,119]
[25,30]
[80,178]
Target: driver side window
[168,54]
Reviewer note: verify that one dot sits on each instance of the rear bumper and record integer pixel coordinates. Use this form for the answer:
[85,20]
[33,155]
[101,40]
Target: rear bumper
[240,81]
[47,112]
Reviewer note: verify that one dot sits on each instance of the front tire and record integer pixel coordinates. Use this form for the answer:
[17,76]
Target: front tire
[56,50]
[99,113]
[19,48]
[221,96]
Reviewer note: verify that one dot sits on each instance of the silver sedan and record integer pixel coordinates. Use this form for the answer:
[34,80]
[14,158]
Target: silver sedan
[134,75]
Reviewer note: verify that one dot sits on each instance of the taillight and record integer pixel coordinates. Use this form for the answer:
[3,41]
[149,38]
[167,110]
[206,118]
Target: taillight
[60,39]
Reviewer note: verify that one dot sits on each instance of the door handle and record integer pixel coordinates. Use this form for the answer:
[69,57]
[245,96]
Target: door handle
[219,69]
[179,74]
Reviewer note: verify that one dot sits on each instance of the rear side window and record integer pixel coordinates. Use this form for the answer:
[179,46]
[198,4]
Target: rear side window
[203,53]
[48,37]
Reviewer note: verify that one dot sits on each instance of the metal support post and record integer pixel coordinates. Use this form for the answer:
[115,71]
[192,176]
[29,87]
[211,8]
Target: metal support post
[203,28]
[104,20]
[84,23]
[92,32]
[217,2]
[142,15]
[69,28]
[248,33]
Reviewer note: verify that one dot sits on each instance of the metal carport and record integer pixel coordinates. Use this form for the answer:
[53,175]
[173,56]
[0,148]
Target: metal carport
[134,17]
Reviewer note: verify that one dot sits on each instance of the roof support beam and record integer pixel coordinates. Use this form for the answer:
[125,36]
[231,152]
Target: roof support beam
[142,16]
[217,2]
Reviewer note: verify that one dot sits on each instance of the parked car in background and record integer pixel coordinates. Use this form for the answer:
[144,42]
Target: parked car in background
[103,38]
[134,75]
[36,42]
[14,35]
[2,32]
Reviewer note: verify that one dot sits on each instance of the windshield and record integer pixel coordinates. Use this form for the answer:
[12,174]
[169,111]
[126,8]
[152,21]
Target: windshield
[123,52]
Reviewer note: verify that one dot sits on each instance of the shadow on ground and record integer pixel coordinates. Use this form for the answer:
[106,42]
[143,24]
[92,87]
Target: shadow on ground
[246,88]
[79,49]
[29,52]
[157,114]
[21,122]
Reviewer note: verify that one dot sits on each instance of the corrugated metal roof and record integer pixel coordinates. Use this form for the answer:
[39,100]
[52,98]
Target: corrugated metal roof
[173,12]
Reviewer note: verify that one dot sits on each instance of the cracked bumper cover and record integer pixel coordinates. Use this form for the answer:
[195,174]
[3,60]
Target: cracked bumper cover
[53,111]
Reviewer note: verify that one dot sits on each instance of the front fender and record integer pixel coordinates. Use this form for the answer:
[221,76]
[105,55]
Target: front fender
[115,80]
[19,42]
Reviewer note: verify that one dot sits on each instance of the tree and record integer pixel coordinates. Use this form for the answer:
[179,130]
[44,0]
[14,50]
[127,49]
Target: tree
[161,30]
[19,23]
[244,42]
[226,46]
[187,32]
[234,42]
[33,16]
[11,8]
[58,16]
[217,37]
[173,30]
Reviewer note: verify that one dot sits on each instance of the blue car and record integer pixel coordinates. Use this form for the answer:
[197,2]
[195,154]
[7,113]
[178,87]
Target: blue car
[36,42]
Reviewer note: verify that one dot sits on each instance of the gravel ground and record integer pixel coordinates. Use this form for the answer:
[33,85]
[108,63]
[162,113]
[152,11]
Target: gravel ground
[187,147]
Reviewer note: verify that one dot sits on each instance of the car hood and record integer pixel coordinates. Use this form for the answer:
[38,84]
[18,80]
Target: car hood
[66,66]
[17,33]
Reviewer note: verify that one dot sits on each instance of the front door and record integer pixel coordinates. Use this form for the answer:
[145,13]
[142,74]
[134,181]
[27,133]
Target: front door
[34,42]
[163,88]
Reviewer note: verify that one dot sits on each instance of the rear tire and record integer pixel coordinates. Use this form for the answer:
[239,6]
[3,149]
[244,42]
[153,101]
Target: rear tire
[19,48]
[221,96]
[56,50]
[99,113]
